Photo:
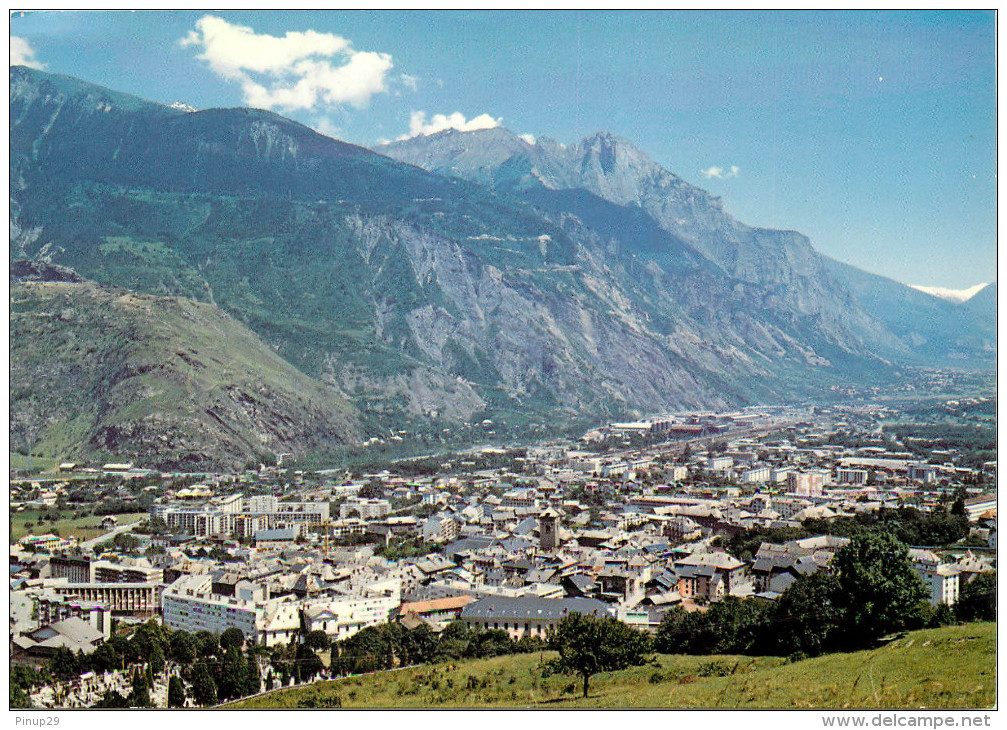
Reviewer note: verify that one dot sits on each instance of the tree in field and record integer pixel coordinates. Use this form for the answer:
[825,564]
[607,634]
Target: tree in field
[977,601]
[806,615]
[877,591]
[176,692]
[589,645]
[231,679]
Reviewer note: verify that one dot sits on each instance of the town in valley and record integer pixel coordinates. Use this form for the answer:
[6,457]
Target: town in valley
[670,514]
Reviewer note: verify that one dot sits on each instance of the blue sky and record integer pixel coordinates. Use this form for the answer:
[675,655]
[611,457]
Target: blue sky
[874,133]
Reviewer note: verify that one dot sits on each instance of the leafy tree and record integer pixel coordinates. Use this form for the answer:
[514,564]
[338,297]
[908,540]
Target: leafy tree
[366,651]
[588,645]
[418,646]
[156,660]
[207,644]
[64,665]
[204,690]
[453,641]
[317,640]
[139,695]
[232,637]
[936,616]
[977,600]
[739,626]
[176,692]
[231,677]
[806,616]
[490,643]
[182,647]
[877,591]
[308,663]
[105,658]
[112,700]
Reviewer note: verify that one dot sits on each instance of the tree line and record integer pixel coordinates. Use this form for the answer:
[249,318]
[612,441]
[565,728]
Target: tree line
[868,591]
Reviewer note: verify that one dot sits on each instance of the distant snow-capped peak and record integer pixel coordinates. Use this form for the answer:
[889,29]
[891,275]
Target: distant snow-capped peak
[952,295]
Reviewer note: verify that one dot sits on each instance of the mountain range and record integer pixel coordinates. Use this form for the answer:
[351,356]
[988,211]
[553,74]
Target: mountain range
[439,281]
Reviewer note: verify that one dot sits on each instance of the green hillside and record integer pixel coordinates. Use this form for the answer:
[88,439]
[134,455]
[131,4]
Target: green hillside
[167,382]
[948,667]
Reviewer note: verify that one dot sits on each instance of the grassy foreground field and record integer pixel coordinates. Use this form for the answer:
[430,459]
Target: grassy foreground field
[949,667]
[83,528]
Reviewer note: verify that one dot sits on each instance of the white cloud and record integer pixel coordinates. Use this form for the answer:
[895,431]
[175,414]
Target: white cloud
[418,124]
[529,138]
[22,54]
[410,82]
[720,173]
[301,70]
[324,125]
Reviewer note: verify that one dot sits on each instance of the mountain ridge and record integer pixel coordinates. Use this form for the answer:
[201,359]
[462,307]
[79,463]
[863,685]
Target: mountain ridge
[758,255]
[430,301]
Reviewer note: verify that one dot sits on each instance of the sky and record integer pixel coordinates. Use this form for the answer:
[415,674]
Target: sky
[873,133]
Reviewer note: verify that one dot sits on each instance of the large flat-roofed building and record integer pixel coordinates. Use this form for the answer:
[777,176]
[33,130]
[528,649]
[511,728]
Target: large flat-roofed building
[105,571]
[233,515]
[365,509]
[976,507]
[848,475]
[74,568]
[920,472]
[534,617]
[189,604]
[755,475]
[805,484]
[122,599]
[50,607]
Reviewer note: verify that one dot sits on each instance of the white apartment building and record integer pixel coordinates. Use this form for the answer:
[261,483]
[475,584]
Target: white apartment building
[365,509]
[920,472]
[847,475]
[261,504]
[779,474]
[805,484]
[940,579]
[190,605]
[755,475]
[341,618]
[676,472]
[719,463]
[233,515]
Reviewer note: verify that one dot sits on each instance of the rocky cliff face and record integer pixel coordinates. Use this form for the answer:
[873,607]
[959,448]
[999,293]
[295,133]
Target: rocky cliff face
[782,264]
